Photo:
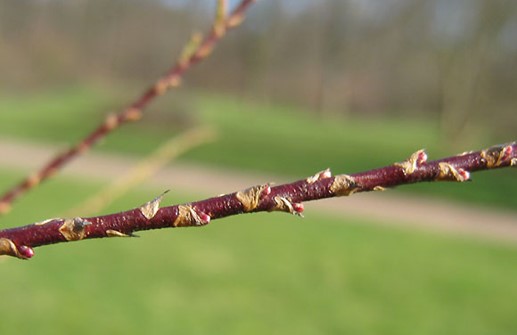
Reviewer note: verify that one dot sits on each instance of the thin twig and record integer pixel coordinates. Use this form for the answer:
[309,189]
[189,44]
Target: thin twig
[19,242]
[195,51]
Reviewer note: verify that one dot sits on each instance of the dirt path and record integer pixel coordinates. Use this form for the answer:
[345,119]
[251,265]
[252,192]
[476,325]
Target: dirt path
[386,207]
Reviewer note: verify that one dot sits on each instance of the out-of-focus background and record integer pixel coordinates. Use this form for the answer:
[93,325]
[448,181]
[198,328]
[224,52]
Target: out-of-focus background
[299,87]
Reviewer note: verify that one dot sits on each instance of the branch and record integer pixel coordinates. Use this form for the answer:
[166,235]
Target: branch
[19,242]
[195,51]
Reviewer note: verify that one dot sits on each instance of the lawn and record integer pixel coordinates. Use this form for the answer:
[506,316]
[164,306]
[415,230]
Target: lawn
[253,274]
[273,138]
[258,137]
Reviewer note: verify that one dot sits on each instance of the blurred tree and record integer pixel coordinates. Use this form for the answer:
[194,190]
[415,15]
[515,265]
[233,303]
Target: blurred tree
[467,64]
[447,61]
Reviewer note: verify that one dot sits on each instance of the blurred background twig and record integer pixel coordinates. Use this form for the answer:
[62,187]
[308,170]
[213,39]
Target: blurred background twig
[197,49]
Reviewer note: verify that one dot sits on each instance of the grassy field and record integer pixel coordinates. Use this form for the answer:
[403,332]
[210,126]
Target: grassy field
[272,138]
[253,274]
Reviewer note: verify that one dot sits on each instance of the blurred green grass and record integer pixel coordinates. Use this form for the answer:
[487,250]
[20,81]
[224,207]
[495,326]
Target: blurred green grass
[254,274]
[257,137]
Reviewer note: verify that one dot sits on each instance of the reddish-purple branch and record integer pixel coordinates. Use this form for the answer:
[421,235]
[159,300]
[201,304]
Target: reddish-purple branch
[135,110]
[19,241]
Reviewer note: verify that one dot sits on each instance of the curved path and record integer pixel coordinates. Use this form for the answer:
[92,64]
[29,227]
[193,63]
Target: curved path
[386,207]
